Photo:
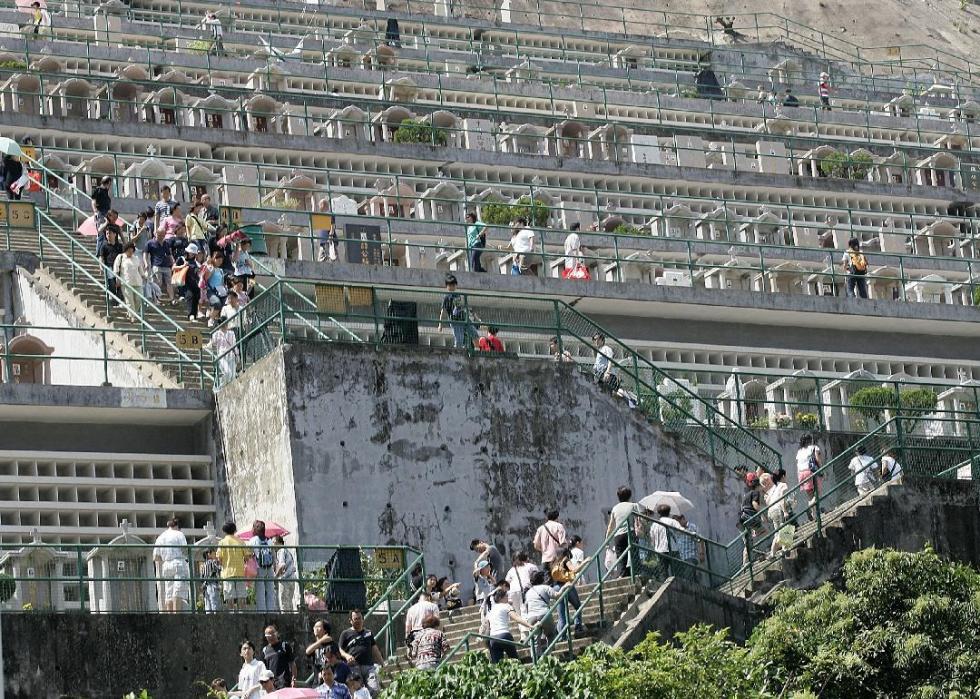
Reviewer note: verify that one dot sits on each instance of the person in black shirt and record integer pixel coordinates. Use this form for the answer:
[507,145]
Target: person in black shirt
[12,171]
[750,506]
[279,658]
[359,649]
[110,223]
[101,200]
[111,249]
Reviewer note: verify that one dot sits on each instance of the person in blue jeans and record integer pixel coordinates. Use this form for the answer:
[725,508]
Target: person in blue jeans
[566,569]
[855,266]
[459,315]
[476,241]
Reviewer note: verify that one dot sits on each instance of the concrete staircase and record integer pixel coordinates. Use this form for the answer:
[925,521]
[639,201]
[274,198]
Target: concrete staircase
[61,278]
[617,596]
[770,574]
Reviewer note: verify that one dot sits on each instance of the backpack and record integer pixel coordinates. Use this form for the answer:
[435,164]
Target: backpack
[264,554]
[859,263]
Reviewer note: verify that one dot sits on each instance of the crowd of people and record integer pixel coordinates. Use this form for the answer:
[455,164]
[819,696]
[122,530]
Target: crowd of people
[782,511]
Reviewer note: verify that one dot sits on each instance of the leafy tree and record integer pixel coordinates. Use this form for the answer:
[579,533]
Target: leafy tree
[534,211]
[411,131]
[904,625]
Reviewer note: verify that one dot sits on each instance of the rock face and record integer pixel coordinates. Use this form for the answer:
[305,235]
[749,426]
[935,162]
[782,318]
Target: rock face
[433,448]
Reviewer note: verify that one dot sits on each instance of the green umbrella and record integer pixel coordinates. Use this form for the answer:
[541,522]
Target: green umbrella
[9,146]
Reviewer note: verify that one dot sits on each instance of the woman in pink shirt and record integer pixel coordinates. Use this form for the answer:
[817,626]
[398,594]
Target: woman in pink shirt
[171,223]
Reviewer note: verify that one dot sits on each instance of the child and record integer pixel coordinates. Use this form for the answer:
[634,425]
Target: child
[355,683]
[211,572]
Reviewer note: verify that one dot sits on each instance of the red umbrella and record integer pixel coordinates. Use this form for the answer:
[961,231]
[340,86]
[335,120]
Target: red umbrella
[272,529]
[88,227]
[293,693]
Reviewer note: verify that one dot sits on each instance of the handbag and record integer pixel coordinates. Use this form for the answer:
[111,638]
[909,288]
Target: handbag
[251,568]
[179,275]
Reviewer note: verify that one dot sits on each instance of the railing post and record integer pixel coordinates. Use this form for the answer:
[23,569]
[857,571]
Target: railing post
[105,359]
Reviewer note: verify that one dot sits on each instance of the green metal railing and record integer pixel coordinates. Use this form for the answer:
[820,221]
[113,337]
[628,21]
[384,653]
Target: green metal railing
[58,246]
[127,578]
[371,315]
[821,401]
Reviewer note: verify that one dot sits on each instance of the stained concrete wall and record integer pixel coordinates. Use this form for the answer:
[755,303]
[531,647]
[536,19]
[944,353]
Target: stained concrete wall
[432,448]
[57,656]
[254,426]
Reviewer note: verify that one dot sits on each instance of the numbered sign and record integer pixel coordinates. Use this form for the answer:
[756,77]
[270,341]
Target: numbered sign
[231,216]
[321,222]
[190,339]
[390,559]
[29,152]
[329,298]
[21,214]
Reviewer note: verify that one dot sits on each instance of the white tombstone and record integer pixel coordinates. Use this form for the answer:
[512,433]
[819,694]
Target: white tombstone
[690,151]
[443,8]
[505,11]
[646,149]
[772,157]
[584,110]
[241,185]
[343,206]
[478,134]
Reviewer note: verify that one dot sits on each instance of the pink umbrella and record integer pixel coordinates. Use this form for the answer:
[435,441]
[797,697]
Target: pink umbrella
[293,693]
[271,529]
[88,227]
[25,5]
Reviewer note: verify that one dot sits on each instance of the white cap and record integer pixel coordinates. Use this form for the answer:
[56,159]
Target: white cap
[266,675]
[192,249]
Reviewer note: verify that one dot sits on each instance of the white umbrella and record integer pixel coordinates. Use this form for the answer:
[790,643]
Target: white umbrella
[9,146]
[678,503]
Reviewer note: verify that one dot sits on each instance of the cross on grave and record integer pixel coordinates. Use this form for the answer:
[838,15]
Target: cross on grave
[208,530]
[151,150]
[124,525]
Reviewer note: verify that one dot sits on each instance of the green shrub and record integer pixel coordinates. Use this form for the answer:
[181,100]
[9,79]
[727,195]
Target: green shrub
[834,165]
[807,421]
[976,296]
[760,423]
[625,229]
[678,409]
[199,46]
[531,209]
[13,65]
[872,401]
[860,166]
[412,131]
[841,165]
[7,587]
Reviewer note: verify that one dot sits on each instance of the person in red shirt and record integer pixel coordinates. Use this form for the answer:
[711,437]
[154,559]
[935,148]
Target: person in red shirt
[490,342]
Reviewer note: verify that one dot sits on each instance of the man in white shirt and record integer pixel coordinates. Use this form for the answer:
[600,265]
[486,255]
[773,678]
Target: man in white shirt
[603,369]
[170,554]
[864,471]
[660,540]
[891,470]
[549,539]
[417,613]
[286,578]
[522,243]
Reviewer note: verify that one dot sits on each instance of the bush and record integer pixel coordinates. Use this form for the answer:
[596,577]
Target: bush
[844,166]
[807,421]
[760,423]
[199,46]
[872,402]
[531,209]
[976,296]
[7,587]
[678,409]
[412,131]
[625,229]
[13,65]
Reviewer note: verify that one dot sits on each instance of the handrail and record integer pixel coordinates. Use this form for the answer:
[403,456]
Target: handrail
[678,408]
[137,314]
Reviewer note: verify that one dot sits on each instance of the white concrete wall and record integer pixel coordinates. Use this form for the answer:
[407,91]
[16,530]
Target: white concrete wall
[39,308]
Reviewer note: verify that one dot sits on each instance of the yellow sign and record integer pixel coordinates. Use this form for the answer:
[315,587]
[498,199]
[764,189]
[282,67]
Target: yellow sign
[321,222]
[894,52]
[190,339]
[360,296]
[390,559]
[329,298]
[29,152]
[230,216]
[21,214]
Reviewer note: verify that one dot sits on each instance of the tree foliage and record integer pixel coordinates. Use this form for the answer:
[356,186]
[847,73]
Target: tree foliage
[412,131]
[902,625]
